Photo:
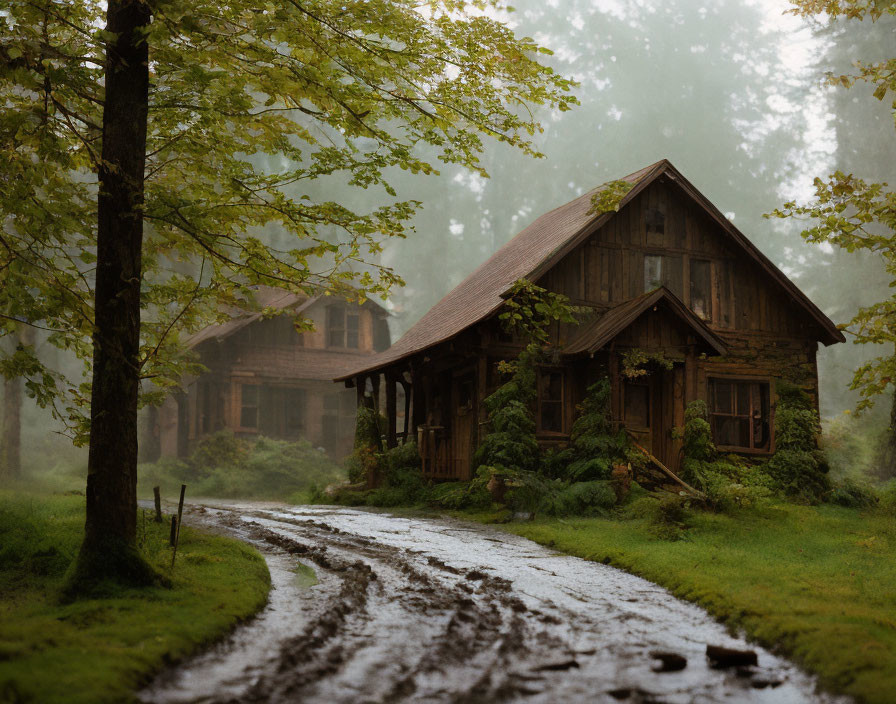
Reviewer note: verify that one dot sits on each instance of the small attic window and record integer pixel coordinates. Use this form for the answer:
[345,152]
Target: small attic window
[655,220]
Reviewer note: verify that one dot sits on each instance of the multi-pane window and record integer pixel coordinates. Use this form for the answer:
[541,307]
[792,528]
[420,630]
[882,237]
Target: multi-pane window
[249,406]
[352,321]
[343,328]
[550,401]
[739,414]
[662,270]
[700,288]
[655,220]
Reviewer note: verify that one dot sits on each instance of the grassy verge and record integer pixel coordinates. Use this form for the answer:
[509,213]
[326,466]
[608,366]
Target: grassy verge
[815,583]
[100,650]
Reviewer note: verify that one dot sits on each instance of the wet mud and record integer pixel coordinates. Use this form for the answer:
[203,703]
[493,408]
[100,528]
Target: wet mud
[422,610]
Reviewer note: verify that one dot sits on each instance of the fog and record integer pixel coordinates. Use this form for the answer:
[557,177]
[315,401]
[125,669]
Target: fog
[733,94]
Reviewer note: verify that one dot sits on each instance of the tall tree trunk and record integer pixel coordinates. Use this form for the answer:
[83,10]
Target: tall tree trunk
[108,550]
[11,426]
[887,465]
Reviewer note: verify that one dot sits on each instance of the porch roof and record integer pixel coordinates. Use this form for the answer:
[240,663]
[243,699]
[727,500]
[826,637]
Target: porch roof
[593,336]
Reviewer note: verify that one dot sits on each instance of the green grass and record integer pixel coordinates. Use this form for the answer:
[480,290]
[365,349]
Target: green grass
[815,583]
[101,650]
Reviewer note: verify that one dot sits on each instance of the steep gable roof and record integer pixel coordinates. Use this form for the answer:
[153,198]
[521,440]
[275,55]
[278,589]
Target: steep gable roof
[264,297]
[598,333]
[536,249]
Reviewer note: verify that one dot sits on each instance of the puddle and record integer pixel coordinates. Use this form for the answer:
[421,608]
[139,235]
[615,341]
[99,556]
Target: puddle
[305,577]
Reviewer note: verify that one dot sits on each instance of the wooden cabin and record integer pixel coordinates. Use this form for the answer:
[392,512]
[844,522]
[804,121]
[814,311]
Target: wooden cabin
[666,274]
[265,378]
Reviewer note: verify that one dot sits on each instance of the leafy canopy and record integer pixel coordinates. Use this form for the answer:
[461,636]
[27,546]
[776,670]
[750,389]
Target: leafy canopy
[855,214]
[257,111]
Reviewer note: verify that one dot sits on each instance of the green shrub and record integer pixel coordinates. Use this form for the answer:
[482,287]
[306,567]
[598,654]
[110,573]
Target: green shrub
[510,448]
[853,494]
[369,428]
[594,445]
[729,482]
[594,498]
[401,477]
[228,467]
[888,498]
[459,495]
[666,515]
[798,466]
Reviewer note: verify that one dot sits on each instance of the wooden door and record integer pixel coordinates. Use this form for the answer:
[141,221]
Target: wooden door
[462,424]
[653,406]
[638,409]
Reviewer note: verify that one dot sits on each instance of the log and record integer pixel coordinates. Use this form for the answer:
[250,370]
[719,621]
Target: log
[677,481]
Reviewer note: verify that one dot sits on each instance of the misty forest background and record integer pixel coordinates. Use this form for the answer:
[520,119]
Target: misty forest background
[733,94]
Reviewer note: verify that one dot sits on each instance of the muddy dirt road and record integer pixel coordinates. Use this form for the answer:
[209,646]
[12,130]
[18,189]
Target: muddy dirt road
[368,607]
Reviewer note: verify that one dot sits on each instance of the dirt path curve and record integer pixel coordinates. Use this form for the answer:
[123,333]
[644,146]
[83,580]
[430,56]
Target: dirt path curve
[423,610]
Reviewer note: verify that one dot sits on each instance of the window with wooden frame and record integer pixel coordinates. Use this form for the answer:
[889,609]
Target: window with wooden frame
[343,328]
[550,401]
[662,270]
[249,394]
[740,414]
[655,221]
[701,288]
[352,329]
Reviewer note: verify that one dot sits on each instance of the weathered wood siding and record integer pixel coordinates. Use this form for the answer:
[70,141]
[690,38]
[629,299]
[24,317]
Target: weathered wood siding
[608,268]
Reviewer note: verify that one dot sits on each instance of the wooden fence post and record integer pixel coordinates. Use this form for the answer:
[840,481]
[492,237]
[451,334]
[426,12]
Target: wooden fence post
[158,495]
[180,513]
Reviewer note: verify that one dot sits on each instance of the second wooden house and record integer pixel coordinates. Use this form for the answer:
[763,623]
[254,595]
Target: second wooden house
[665,274]
[265,378]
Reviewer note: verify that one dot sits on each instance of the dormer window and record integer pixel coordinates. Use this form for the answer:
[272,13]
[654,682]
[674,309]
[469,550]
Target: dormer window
[343,328]
[655,220]
[700,288]
[662,270]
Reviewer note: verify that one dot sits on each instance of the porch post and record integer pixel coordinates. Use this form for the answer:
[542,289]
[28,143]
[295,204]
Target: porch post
[391,440]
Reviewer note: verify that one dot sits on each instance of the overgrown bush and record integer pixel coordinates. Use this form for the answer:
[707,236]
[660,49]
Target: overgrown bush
[594,498]
[888,498]
[401,477]
[510,448]
[728,481]
[852,494]
[666,515]
[798,466]
[369,427]
[229,467]
[459,495]
[594,445]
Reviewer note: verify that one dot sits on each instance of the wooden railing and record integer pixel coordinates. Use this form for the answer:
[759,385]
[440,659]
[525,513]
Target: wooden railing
[434,446]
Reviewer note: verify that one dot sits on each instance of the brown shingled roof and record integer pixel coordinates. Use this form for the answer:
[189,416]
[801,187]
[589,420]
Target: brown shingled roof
[599,332]
[263,297]
[539,247]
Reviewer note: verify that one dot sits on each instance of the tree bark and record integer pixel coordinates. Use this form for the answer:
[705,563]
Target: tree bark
[887,464]
[109,547]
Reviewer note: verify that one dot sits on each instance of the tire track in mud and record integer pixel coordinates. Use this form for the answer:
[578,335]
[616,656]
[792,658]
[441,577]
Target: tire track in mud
[412,610]
[466,660]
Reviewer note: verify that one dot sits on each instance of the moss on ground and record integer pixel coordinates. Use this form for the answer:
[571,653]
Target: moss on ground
[817,584]
[101,650]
